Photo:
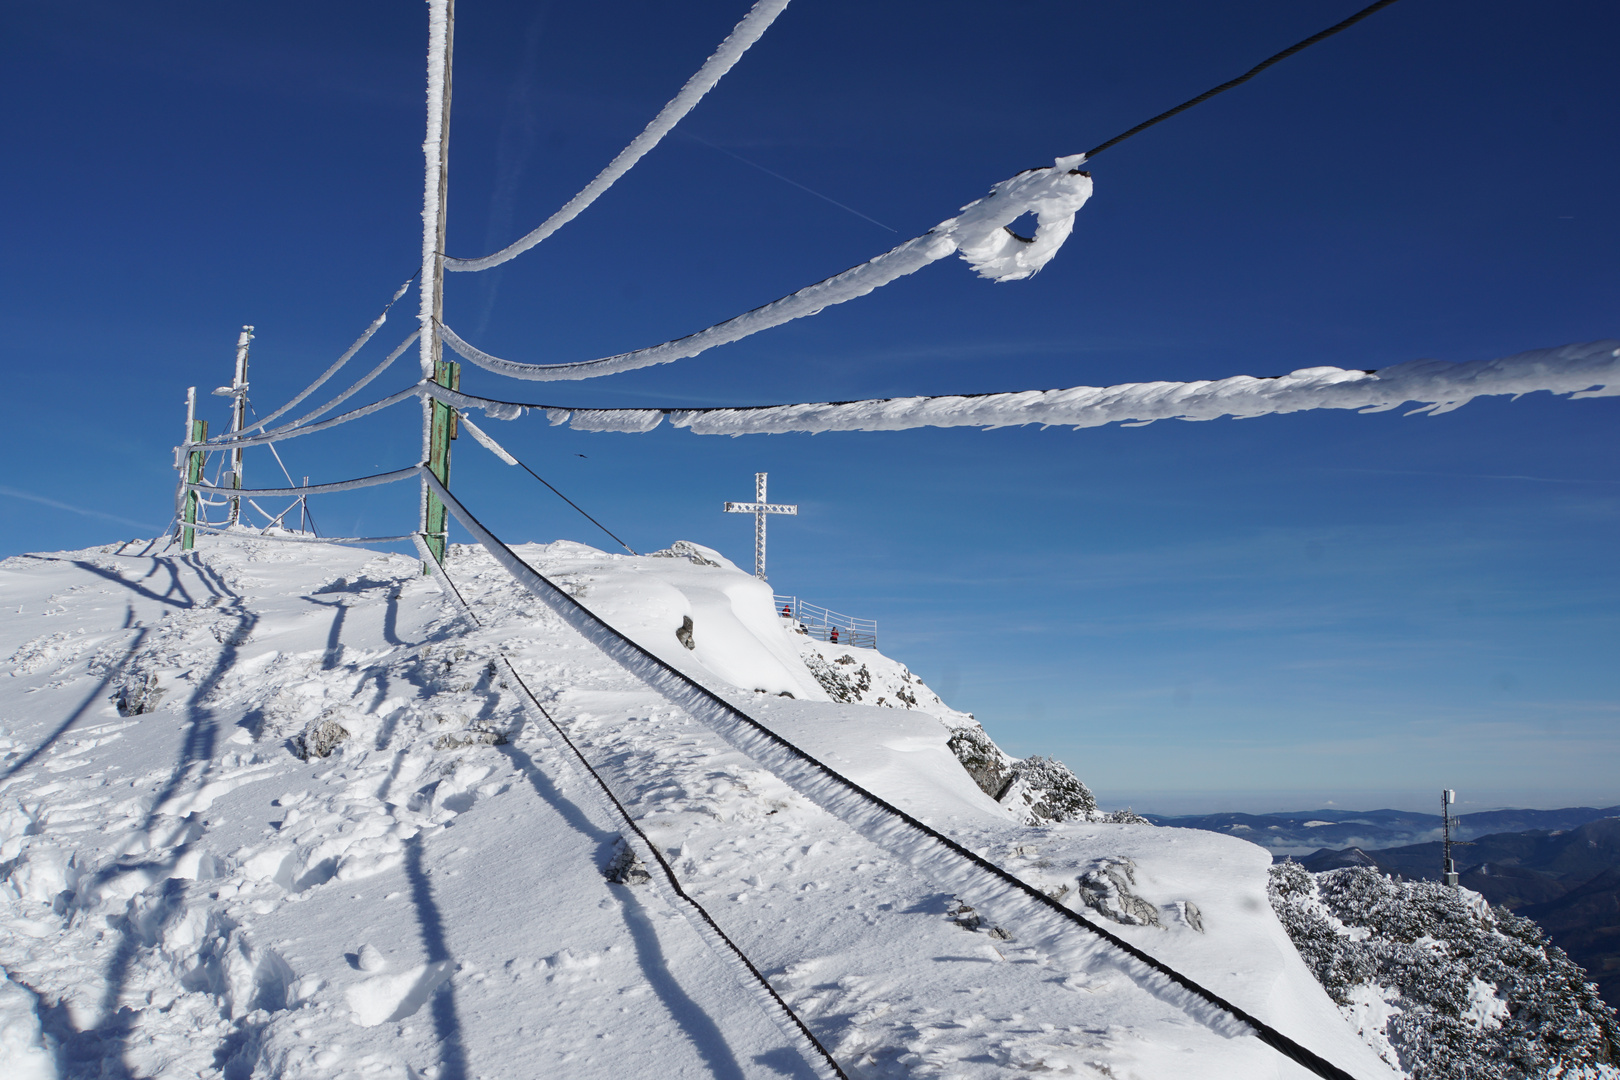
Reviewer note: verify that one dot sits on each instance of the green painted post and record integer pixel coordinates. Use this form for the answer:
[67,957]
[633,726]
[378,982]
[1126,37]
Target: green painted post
[194,475]
[443,429]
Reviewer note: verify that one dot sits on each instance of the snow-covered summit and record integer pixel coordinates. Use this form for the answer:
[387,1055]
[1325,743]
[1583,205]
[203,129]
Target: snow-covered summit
[279,810]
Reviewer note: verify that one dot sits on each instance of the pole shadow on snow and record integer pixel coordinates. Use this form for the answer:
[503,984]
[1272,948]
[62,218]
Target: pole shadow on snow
[136,587]
[446,1019]
[78,714]
[695,1023]
[109,1039]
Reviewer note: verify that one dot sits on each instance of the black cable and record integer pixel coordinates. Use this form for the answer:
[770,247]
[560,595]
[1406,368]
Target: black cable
[575,505]
[1246,76]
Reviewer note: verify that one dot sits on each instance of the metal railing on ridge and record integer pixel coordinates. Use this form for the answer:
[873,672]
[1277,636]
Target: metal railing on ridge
[820,622]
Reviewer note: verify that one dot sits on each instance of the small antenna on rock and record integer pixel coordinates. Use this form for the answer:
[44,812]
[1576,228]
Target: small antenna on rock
[1449,870]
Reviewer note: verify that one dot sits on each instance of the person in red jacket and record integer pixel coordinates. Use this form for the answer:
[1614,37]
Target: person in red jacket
[787,611]
[833,637]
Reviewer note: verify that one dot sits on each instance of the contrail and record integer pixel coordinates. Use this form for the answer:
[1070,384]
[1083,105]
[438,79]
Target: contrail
[15,494]
[785,180]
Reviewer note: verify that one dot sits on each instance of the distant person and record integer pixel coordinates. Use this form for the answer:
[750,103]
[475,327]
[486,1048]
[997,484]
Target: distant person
[833,637]
[787,611]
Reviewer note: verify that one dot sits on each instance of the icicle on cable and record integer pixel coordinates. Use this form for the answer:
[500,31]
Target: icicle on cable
[979,234]
[376,324]
[1581,371]
[742,37]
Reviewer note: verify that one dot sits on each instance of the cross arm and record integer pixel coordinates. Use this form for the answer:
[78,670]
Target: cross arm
[760,508]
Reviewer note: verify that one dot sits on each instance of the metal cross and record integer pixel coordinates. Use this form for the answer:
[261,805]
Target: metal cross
[759,508]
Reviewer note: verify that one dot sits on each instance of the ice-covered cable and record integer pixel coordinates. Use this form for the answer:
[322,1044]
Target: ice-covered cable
[1580,371]
[979,234]
[376,324]
[742,36]
[486,442]
[500,451]
[314,489]
[360,384]
[406,394]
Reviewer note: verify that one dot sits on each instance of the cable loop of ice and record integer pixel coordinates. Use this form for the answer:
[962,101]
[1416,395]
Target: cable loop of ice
[725,57]
[979,233]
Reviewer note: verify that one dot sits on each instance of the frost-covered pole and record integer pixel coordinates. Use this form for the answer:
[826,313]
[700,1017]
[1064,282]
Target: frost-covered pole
[239,385]
[436,419]
[192,469]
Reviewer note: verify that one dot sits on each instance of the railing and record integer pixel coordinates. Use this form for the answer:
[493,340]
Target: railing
[820,623]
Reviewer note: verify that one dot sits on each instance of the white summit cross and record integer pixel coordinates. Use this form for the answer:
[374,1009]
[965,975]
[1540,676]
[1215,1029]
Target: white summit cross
[759,508]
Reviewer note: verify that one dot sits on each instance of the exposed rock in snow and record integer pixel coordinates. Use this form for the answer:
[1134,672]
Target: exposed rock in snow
[626,867]
[1035,789]
[1107,889]
[696,554]
[320,738]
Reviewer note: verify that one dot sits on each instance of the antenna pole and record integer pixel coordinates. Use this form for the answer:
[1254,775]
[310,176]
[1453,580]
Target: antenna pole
[239,386]
[1449,870]
[191,467]
[438,420]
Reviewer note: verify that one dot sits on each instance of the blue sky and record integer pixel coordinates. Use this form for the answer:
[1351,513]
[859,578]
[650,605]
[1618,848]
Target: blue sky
[1278,612]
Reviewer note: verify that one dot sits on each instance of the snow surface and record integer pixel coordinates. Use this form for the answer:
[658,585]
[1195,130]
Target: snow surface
[182,895]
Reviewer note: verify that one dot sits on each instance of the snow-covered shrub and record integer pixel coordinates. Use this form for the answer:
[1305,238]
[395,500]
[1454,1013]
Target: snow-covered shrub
[1463,990]
[1049,791]
[843,681]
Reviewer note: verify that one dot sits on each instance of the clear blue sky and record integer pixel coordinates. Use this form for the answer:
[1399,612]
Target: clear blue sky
[1274,612]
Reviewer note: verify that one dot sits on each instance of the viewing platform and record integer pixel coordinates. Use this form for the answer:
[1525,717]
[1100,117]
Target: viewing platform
[819,623]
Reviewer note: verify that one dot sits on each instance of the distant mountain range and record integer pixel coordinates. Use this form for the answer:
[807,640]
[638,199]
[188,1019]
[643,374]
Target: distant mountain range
[1307,831]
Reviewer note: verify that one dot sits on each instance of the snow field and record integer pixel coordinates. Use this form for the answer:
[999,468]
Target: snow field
[181,895]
